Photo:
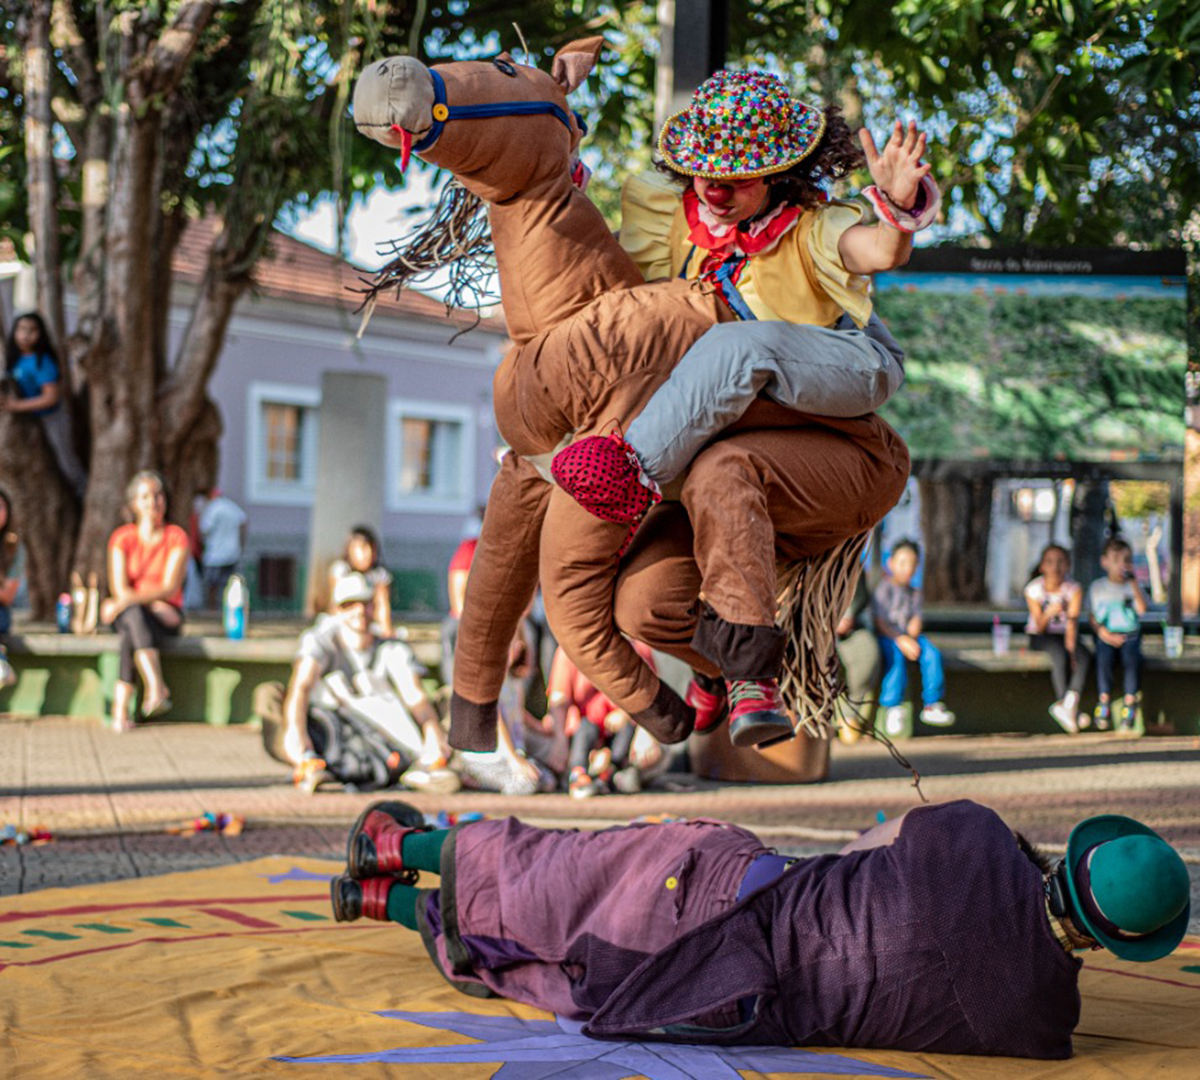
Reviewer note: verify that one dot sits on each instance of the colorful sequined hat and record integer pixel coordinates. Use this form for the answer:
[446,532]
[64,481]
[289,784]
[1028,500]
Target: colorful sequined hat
[741,124]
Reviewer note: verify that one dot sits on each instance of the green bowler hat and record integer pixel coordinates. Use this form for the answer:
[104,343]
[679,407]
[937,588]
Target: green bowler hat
[1138,882]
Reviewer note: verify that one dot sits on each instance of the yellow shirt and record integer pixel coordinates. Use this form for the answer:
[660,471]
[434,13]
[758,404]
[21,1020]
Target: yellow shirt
[800,280]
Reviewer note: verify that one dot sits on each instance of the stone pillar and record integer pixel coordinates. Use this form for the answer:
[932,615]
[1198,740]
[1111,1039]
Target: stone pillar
[694,41]
[351,471]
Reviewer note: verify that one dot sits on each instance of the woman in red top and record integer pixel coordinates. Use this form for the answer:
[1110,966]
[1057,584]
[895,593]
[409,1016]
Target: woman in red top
[146,565]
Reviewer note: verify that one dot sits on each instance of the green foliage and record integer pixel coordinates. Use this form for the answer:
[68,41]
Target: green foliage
[1136,500]
[1009,376]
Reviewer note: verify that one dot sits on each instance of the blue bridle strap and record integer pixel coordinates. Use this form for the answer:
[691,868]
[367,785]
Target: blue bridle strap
[486,111]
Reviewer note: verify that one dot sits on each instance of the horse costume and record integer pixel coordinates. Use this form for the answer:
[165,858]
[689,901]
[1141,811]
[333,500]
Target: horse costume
[591,344]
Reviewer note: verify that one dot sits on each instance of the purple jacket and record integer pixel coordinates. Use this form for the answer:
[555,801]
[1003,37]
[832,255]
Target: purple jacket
[937,943]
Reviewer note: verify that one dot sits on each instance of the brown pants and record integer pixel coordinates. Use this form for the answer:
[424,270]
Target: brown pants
[750,502]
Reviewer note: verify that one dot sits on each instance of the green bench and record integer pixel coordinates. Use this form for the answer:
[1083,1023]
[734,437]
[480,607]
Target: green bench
[211,678]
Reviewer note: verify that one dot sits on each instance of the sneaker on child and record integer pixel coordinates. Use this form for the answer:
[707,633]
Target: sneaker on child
[1102,716]
[7,675]
[893,721]
[937,715]
[1066,716]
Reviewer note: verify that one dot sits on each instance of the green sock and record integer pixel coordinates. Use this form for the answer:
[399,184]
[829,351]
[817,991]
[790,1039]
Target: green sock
[423,850]
[402,905]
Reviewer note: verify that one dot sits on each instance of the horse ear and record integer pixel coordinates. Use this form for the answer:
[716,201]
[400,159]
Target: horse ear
[573,62]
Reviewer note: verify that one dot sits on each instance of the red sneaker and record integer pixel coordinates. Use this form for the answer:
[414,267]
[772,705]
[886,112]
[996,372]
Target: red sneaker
[757,716]
[373,846]
[602,474]
[711,703]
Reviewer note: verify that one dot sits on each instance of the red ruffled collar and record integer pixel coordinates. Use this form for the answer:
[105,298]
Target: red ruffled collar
[706,232]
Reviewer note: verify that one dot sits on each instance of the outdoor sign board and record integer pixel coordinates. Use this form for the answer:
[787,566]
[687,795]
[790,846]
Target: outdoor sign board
[1039,355]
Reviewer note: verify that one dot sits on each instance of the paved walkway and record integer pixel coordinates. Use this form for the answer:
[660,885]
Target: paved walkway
[108,799]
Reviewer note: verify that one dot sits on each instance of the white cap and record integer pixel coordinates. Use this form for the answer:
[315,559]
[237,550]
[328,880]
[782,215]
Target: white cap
[353,588]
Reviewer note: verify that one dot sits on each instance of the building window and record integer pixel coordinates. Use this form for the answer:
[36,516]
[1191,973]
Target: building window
[282,434]
[276,578]
[432,457]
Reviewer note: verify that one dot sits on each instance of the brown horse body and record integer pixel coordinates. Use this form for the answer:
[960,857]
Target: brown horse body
[591,344]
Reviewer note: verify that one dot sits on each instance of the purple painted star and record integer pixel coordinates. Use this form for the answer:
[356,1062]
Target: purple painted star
[537,1049]
[297,874]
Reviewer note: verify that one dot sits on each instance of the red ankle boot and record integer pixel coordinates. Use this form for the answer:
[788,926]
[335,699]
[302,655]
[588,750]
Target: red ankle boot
[354,899]
[373,847]
[711,702]
[757,716]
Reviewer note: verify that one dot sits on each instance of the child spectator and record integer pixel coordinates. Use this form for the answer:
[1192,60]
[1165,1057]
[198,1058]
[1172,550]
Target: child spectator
[1116,603]
[362,557]
[601,735]
[34,387]
[896,606]
[9,582]
[1055,601]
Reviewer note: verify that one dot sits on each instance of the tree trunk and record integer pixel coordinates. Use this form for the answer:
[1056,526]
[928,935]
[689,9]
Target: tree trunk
[956,517]
[45,513]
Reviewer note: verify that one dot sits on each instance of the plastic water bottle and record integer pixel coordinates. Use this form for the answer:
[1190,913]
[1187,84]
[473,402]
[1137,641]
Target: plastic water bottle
[62,613]
[236,608]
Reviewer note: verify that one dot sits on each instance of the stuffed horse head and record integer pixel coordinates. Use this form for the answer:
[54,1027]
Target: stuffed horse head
[500,127]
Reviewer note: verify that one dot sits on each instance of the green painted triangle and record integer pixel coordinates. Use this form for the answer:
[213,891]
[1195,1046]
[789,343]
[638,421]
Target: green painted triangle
[53,935]
[307,916]
[17,944]
[168,922]
[104,928]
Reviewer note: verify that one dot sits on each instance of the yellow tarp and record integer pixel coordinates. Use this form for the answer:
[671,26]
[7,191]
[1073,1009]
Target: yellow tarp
[221,972]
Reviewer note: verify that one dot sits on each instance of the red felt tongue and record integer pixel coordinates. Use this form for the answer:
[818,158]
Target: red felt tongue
[405,146]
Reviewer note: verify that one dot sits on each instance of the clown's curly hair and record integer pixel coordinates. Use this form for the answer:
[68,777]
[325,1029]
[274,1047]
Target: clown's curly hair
[807,182]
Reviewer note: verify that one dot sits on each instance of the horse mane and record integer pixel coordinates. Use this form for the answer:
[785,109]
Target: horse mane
[456,237]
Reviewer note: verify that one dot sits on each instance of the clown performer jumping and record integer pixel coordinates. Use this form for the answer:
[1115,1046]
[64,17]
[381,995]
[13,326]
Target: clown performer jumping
[940,931]
[740,198]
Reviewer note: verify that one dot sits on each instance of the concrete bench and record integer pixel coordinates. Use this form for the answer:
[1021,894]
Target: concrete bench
[211,678]
[1012,693]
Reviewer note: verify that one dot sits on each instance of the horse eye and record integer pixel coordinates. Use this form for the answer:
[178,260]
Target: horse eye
[505,66]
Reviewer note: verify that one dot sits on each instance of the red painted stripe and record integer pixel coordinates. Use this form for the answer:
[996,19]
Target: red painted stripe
[238,917]
[166,940]
[1151,978]
[96,909]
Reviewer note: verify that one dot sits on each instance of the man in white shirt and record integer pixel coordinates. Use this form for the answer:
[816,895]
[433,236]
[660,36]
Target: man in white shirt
[223,529]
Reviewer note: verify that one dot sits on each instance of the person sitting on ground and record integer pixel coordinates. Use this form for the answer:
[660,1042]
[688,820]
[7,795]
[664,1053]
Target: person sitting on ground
[862,662]
[1055,601]
[896,606]
[10,581]
[361,556]
[147,560]
[222,529]
[1116,603]
[344,664]
[34,387]
[601,748]
[940,931]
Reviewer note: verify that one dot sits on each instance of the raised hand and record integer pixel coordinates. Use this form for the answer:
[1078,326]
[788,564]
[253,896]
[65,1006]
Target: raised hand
[898,170]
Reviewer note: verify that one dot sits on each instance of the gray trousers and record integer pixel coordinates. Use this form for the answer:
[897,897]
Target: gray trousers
[839,372]
[58,434]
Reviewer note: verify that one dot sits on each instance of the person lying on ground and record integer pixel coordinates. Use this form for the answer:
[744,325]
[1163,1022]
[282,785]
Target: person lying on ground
[940,931]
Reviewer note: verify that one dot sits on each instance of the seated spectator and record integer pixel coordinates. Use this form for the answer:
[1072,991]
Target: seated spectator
[9,583]
[858,652]
[456,587]
[896,607]
[33,386]
[601,736]
[1115,603]
[146,565]
[1055,602]
[346,667]
[361,556]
